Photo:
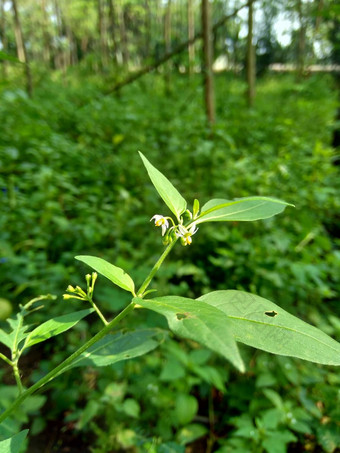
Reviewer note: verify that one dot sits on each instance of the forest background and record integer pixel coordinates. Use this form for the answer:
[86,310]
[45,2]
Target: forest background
[228,99]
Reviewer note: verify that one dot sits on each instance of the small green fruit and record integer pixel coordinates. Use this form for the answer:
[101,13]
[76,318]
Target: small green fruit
[5,309]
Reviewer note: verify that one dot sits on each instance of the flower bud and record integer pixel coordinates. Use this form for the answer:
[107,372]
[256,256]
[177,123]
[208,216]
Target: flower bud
[80,291]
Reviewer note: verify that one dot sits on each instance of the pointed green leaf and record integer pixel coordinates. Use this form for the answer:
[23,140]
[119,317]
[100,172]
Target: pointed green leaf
[264,325]
[120,346]
[243,209]
[5,339]
[18,331]
[108,270]
[14,444]
[171,197]
[55,326]
[199,322]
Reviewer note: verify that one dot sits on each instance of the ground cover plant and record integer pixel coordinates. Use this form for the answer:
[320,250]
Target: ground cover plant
[300,275]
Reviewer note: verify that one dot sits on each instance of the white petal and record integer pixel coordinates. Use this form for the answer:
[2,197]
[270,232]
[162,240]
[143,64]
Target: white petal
[156,217]
[164,228]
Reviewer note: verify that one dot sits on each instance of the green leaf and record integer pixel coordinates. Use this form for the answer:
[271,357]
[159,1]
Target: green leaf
[5,57]
[197,321]
[120,346]
[14,444]
[91,409]
[131,408]
[242,209]
[108,270]
[5,339]
[264,325]
[186,407]
[190,433]
[55,326]
[18,331]
[171,197]
[276,442]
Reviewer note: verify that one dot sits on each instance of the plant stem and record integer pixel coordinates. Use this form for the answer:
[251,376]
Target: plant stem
[100,314]
[16,373]
[52,374]
[6,359]
[154,270]
[108,326]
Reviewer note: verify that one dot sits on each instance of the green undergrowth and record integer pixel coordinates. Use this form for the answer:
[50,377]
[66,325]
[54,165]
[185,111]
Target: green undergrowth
[71,183]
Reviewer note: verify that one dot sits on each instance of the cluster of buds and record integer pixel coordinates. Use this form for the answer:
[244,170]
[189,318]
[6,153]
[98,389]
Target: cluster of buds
[181,231]
[78,293]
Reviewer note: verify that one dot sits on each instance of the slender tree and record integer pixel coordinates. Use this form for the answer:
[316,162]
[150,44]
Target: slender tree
[208,81]
[58,55]
[123,34]
[320,7]
[112,29]
[251,63]
[167,41]
[46,35]
[3,36]
[301,47]
[191,34]
[147,19]
[21,48]
[102,34]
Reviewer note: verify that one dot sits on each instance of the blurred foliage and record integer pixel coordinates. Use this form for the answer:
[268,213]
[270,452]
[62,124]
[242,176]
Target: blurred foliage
[71,183]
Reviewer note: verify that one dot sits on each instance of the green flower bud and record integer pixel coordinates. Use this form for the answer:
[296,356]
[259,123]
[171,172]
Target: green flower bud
[196,208]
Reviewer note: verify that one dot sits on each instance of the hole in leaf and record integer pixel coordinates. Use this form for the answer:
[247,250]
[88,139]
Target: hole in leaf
[271,314]
[181,316]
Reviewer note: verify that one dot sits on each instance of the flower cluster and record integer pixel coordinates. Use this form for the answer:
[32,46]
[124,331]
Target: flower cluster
[78,293]
[161,221]
[180,231]
[185,233]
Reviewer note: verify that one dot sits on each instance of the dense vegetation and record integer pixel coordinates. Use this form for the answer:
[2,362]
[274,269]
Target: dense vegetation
[71,183]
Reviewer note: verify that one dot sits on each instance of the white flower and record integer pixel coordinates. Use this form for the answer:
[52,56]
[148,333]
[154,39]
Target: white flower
[161,221]
[185,233]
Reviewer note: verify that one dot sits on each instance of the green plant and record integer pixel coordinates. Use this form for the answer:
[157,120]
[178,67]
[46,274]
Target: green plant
[217,320]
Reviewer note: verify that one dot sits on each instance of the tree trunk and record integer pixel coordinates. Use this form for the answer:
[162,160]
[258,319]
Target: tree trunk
[112,29]
[102,35]
[318,15]
[123,36]
[191,34]
[167,42]
[46,36]
[58,56]
[301,43]
[147,29]
[3,37]
[21,48]
[251,63]
[207,63]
